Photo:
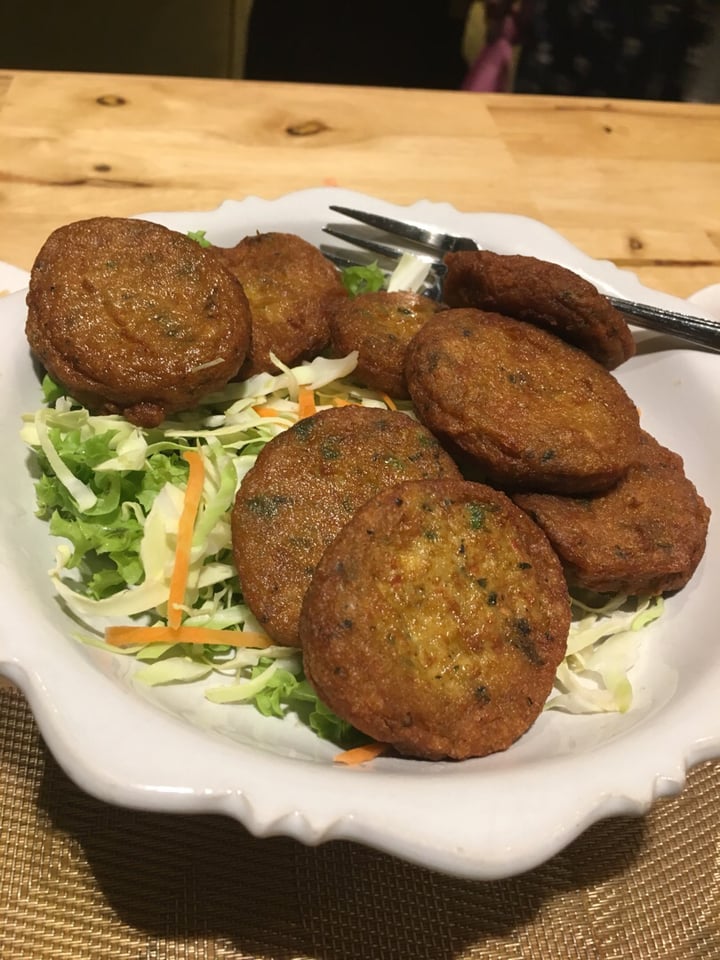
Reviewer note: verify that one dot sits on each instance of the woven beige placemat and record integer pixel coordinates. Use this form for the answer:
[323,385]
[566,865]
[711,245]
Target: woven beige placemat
[82,879]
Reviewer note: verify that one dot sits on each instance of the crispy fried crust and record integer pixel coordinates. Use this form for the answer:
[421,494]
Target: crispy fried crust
[644,536]
[436,620]
[134,318]
[544,294]
[532,411]
[380,326]
[293,290]
[305,485]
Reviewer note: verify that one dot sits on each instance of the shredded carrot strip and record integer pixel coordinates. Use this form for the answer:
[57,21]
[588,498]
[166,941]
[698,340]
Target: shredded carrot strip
[266,411]
[186,524]
[306,402]
[360,754]
[390,404]
[341,402]
[129,636]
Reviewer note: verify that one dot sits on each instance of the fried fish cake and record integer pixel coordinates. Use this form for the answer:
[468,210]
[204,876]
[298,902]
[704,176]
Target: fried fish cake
[293,290]
[380,326]
[532,412]
[644,536]
[305,485]
[436,620]
[544,294]
[133,318]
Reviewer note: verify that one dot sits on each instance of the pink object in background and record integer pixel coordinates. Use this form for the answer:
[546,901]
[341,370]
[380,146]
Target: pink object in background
[491,72]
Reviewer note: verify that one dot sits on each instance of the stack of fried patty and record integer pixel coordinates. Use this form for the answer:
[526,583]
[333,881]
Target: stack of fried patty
[422,567]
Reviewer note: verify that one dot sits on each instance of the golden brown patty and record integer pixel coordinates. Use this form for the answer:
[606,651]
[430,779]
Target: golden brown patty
[292,289]
[305,485]
[436,620]
[645,536]
[532,411]
[544,294]
[380,326]
[133,318]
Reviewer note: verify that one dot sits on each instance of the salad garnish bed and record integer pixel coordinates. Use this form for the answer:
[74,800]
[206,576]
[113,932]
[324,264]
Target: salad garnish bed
[115,496]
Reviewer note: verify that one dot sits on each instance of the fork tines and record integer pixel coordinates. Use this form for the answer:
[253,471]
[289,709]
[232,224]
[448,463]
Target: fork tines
[388,251]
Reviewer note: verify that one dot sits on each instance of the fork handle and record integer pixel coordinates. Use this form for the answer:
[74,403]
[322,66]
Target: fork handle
[694,329]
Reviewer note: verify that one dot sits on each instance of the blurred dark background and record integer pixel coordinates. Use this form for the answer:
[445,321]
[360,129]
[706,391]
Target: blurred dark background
[657,49]
[380,42]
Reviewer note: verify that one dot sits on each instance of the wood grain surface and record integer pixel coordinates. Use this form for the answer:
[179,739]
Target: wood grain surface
[634,182]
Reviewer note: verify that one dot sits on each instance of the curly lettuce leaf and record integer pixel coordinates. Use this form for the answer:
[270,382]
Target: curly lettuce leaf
[363,279]
[276,691]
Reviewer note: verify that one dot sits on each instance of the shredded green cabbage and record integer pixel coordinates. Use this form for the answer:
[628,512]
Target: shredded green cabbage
[410,273]
[199,237]
[603,646]
[113,494]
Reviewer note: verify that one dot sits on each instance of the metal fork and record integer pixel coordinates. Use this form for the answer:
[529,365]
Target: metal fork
[432,244]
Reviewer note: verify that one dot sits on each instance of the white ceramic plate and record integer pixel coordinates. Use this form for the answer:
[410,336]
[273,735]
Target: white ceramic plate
[12,278]
[708,299]
[489,818]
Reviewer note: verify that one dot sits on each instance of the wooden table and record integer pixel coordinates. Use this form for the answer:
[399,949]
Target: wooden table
[634,182]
